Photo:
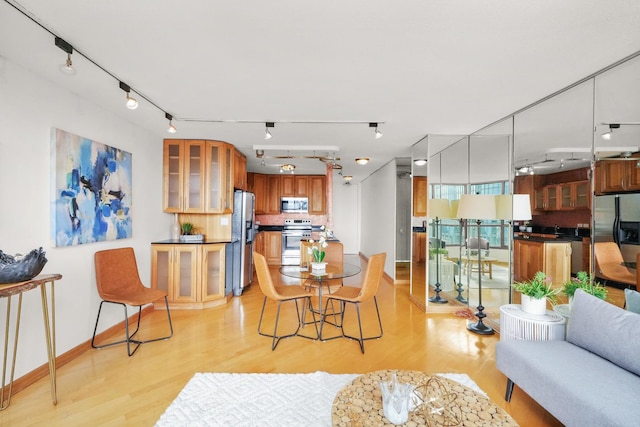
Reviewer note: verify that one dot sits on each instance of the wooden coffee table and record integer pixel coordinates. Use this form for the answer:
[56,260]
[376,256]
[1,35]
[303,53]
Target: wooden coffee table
[359,403]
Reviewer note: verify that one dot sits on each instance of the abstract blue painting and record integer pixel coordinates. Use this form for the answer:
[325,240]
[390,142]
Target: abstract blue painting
[91,191]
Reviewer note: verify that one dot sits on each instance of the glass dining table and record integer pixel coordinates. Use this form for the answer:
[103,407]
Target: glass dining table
[320,279]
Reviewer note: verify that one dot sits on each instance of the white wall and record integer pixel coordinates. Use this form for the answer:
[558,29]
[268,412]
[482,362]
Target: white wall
[377,219]
[346,224]
[29,107]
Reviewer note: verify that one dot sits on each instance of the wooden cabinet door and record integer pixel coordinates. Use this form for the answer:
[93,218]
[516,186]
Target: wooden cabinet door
[185,281]
[557,262]
[301,186]
[540,200]
[287,183]
[258,244]
[419,254]
[213,272]
[317,194]
[419,196]
[194,176]
[612,176]
[552,198]
[161,268]
[239,170]
[227,176]
[259,188]
[273,247]
[566,196]
[172,176]
[581,192]
[633,173]
[527,259]
[273,195]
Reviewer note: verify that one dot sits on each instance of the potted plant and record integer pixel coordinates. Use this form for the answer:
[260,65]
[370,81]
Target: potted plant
[187,228]
[317,250]
[584,281]
[535,293]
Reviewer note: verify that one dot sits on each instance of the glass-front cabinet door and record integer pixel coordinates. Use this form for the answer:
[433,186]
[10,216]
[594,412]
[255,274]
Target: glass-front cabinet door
[194,175]
[172,182]
[213,261]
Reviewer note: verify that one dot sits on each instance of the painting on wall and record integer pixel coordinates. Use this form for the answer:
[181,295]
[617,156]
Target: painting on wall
[91,194]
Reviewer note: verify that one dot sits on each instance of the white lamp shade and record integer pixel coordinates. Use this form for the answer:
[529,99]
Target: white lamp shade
[439,208]
[477,206]
[454,208]
[504,207]
[521,207]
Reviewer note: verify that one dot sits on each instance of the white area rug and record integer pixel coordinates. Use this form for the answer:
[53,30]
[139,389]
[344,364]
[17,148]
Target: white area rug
[499,280]
[282,400]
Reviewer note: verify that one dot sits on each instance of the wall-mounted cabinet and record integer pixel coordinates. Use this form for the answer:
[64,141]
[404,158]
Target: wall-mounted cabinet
[419,196]
[617,176]
[192,275]
[563,196]
[197,176]
[239,170]
[270,188]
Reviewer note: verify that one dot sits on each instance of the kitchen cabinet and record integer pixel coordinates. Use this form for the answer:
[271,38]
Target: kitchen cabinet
[616,176]
[273,247]
[257,184]
[258,243]
[272,206]
[419,251]
[294,186]
[239,170]
[575,195]
[197,176]
[317,194]
[192,275]
[419,196]
[552,258]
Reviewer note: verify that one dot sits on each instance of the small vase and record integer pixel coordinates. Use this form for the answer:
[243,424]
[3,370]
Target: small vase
[533,305]
[175,228]
[318,267]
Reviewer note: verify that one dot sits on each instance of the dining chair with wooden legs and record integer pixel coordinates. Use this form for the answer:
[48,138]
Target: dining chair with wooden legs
[354,295]
[280,294]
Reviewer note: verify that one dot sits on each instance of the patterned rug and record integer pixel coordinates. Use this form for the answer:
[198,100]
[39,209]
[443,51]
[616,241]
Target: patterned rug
[224,399]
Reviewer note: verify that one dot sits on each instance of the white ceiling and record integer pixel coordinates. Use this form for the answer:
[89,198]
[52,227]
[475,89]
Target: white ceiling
[419,67]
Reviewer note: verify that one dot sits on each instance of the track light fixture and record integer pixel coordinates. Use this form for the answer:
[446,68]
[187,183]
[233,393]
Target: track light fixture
[67,67]
[377,131]
[172,128]
[362,160]
[607,135]
[132,103]
[287,168]
[267,134]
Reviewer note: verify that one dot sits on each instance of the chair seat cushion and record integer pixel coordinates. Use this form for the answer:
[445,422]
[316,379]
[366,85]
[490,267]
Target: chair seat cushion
[347,293]
[293,291]
[136,297]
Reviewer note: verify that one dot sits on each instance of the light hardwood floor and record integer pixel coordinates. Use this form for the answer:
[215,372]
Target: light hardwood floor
[108,388]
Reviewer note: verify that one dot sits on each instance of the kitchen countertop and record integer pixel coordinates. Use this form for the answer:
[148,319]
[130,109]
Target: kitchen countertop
[539,237]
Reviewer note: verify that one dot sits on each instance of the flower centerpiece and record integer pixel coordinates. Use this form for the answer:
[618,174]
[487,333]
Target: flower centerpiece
[535,293]
[316,249]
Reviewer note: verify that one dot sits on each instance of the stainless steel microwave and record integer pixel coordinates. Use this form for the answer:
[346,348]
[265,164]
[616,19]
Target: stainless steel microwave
[294,204]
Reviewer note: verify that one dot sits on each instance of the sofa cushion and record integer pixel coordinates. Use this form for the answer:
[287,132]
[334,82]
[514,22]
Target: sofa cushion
[632,299]
[606,330]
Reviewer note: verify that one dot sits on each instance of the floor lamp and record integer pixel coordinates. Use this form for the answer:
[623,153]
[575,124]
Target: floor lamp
[478,207]
[459,286]
[438,209]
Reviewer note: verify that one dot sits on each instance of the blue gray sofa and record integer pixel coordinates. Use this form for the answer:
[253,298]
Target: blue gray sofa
[592,378]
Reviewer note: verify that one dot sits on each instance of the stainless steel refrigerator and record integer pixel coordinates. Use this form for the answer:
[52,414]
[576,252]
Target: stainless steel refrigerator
[617,218]
[242,237]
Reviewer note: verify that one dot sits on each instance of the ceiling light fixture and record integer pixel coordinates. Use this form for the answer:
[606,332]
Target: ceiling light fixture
[172,128]
[347,178]
[67,67]
[362,160]
[287,168]
[377,131]
[132,103]
[420,162]
[607,135]
[267,134]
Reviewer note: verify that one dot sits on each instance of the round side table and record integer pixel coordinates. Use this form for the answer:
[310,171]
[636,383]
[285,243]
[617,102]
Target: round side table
[516,324]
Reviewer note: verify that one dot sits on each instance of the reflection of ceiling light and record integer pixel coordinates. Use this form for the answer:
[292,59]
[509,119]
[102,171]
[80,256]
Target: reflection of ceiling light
[267,134]
[287,168]
[347,178]
[420,162]
[259,154]
[362,160]
[607,135]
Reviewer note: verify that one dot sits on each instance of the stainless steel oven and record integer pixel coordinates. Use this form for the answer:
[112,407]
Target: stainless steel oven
[293,232]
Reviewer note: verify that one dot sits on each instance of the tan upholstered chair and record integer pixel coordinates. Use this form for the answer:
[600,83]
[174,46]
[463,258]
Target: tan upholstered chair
[280,294]
[354,295]
[609,264]
[118,282]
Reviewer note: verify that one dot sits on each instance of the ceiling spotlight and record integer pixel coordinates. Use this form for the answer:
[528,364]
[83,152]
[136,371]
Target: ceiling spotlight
[172,128]
[362,160]
[67,67]
[267,134]
[607,135]
[132,103]
[420,162]
[259,154]
[347,178]
[287,168]
[377,131]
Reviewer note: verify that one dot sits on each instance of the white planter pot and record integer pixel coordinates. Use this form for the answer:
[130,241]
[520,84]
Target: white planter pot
[533,305]
[318,267]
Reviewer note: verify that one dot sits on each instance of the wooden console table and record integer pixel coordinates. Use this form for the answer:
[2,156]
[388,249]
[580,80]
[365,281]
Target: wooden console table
[8,291]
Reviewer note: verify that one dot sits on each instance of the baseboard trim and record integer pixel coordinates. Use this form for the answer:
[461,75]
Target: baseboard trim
[43,371]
